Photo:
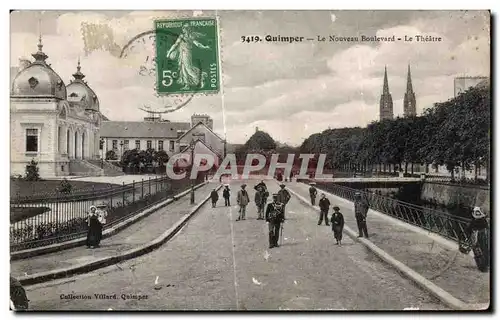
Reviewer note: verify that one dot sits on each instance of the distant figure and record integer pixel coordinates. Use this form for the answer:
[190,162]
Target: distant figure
[242,200]
[94,232]
[324,206]
[283,198]
[360,211]
[274,217]
[260,201]
[226,195]
[214,196]
[313,193]
[337,224]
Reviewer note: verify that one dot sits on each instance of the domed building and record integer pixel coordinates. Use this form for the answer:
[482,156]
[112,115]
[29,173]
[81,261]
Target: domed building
[54,124]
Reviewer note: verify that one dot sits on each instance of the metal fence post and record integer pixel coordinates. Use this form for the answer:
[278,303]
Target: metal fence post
[142,188]
[149,182]
[123,194]
[133,191]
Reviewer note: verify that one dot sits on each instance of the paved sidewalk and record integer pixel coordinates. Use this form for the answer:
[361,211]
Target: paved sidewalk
[444,266]
[136,235]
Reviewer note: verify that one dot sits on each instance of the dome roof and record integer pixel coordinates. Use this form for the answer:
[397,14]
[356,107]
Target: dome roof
[38,79]
[78,92]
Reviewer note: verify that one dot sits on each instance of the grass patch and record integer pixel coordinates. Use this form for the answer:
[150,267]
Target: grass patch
[24,188]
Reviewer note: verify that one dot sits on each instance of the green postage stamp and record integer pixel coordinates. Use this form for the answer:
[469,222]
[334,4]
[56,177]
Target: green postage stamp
[187,56]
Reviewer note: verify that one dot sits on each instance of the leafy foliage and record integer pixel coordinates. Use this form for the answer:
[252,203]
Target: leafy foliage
[260,140]
[32,171]
[111,155]
[455,133]
[65,187]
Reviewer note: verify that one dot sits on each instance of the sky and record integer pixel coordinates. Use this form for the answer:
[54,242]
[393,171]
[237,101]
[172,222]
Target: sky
[288,90]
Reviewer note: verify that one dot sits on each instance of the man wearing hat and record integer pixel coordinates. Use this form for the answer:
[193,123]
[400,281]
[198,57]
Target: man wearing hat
[360,210]
[242,200]
[226,195]
[275,215]
[283,197]
[313,193]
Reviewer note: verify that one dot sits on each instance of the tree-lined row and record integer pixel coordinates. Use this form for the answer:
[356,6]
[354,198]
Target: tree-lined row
[455,133]
[144,161]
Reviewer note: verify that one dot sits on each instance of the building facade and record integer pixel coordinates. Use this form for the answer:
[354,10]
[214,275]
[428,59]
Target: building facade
[54,124]
[121,136]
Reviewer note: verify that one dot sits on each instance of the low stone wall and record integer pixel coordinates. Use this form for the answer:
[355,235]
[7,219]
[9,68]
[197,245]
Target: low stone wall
[448,194]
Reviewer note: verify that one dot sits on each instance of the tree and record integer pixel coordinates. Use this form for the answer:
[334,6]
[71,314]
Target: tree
[111,155]
[32,171]
[260,140]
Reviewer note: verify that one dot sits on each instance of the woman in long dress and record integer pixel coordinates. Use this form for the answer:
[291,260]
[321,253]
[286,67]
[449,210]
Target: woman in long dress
[189,75]
[337,221]
[94,226]
[479,237]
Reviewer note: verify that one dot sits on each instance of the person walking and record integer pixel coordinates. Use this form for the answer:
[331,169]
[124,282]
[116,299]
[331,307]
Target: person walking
[478,236]
[214,196]
[337,222]
[361,207]
[283,198]
[242,199]
[324,206]
[313,193]
[274,217]
[226,195]
[260,202]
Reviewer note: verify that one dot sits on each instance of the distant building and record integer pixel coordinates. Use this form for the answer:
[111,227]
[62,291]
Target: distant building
[410,103]
[462,84]
[386,106]
[56,125]
[203,118]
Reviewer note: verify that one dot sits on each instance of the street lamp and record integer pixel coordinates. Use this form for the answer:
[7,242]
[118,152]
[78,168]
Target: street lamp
[102,153]
[121,149]
[191,146]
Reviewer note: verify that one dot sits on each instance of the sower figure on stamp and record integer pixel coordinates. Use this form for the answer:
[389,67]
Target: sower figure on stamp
[313,193]
[324,206]
[283,198]
[275,217]
[226,194]
[360,210]
[242,200]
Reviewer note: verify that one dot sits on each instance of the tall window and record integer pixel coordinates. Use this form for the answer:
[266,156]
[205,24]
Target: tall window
[149,144]
[160,145]
[172,145]
[125,145]
[31,140]
[115,144]
[138,144]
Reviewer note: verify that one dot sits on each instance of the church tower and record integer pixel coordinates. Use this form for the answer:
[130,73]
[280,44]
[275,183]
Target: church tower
[409,104]
[386,111]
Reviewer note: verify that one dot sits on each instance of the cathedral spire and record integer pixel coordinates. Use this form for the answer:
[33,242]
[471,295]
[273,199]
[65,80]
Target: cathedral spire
[386,82]
[409,101]
[40,56]
[386,105]
[409,87]
[78,75]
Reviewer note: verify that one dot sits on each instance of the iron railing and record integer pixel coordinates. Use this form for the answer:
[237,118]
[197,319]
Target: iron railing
[442,223]
[39,222]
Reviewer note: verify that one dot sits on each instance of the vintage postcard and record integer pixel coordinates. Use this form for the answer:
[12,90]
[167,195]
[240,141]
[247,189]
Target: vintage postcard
[250,160]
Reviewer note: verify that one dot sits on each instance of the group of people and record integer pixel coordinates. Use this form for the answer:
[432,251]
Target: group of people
[96,219]
[274,214]
[361,207]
